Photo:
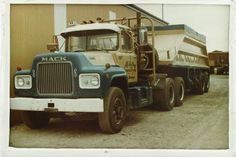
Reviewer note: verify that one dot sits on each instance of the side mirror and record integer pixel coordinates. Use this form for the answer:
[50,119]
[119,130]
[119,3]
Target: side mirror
[54,46]
[143,39]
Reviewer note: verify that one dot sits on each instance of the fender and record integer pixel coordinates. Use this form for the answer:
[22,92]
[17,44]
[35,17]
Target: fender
[23,72]
[116,76]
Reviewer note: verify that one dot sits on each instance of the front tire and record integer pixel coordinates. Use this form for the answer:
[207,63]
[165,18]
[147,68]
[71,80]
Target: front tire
[35,119]
[113,118]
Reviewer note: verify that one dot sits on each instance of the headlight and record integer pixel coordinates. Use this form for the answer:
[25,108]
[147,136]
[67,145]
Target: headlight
[89,81]
[23,82]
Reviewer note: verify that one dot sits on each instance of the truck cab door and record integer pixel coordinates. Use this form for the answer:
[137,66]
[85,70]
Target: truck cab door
[126,56]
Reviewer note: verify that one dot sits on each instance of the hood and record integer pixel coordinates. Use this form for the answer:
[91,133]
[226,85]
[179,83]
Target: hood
[84,58]
[99,58]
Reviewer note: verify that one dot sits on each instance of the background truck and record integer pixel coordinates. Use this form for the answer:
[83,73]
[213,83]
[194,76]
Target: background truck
[219,62]
[110,67]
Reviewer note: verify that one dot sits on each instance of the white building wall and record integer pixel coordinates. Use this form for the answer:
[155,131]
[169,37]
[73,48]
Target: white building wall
[60,23]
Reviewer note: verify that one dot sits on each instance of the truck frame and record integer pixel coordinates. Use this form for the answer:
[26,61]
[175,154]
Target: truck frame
[110,67]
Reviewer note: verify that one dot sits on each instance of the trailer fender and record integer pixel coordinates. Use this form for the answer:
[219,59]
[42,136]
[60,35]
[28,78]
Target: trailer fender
[160,82]
[120,81]
[164,99]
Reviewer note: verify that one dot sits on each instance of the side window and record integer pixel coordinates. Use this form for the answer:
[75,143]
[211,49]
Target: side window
[126,41]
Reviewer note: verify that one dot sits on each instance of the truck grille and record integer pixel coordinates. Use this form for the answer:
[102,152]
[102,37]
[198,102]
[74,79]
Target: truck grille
[55,78]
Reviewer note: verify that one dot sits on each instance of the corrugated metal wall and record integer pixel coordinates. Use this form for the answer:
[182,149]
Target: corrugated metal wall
[81,13]
[91,12]
[32,27]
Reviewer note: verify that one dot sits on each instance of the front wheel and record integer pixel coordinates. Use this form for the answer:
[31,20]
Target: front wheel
[113,118]
[35,119]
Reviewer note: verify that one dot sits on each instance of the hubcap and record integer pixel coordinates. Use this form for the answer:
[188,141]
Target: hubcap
[203,86]
[208,83]
[118,111]
[181,92]
[172,95]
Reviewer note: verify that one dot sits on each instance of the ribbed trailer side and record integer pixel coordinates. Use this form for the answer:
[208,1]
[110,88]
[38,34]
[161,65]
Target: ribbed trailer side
[179,45]
[183,55]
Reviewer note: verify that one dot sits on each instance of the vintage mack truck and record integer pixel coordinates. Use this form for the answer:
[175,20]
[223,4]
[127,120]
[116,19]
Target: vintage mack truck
[109,67]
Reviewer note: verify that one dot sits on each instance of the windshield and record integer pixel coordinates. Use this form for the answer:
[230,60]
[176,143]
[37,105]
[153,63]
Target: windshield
[92,42]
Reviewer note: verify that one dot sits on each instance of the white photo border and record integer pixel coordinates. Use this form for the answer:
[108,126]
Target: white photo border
[7,151]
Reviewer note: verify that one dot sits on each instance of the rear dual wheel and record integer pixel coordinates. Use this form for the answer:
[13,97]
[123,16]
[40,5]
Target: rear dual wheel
[167,96]
[203,84]
[172,95]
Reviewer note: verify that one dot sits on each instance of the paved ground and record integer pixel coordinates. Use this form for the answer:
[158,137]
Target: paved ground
[201,123]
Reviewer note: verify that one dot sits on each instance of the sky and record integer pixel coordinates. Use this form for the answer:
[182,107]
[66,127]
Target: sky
[209,20]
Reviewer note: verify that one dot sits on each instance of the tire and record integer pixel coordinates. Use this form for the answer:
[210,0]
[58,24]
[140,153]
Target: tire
[200,87]
[179,91]
[34,119]
[148,63]
[156,95]
[113,118]
[167,99]
[207,82]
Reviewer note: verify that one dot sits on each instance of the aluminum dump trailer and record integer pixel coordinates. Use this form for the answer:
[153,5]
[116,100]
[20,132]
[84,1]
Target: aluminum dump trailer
[182,53]
[179,45]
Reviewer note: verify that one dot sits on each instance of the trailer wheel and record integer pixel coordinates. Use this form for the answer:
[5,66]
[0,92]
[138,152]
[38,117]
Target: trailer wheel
[200,85]
[179,91]
[113,118]
[207,82]
[167,100]
[35,119]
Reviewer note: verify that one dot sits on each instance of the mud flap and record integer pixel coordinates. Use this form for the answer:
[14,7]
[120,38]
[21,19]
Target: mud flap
[164,98]
[158,89]
[160,83]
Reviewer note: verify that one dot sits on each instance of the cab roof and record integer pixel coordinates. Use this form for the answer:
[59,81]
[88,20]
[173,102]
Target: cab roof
[94,26]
